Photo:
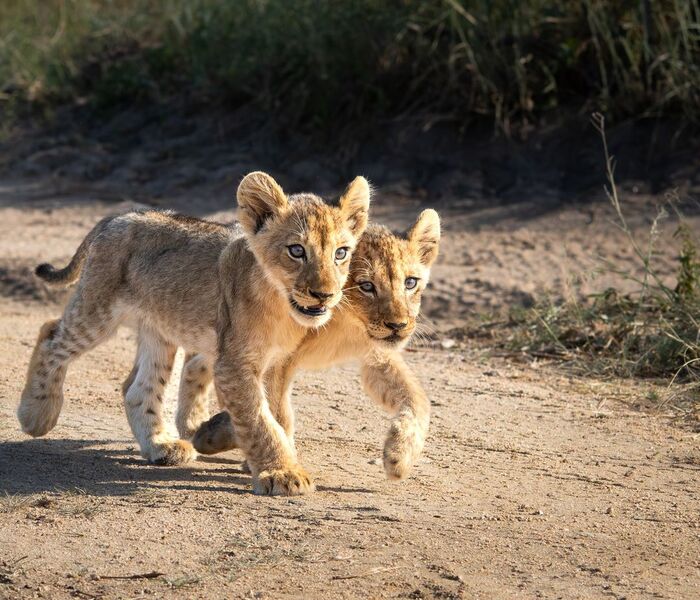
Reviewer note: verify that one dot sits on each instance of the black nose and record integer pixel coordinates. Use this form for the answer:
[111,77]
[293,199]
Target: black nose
[320,295]
[395,326]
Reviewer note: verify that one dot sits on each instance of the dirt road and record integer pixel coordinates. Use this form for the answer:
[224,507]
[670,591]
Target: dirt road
[532,485]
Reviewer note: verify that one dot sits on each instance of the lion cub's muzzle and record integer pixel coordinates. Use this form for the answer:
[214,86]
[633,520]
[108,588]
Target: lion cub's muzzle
[394,333]
[314,303]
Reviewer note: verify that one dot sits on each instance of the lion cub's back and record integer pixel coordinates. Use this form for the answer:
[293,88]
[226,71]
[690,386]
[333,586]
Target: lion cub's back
[168,263]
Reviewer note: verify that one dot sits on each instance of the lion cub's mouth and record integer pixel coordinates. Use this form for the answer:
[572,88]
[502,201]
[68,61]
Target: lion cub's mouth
[310,311]
[394,339]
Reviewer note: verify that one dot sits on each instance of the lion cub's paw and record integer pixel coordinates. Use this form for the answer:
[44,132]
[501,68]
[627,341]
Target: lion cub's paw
[292,481]
[35,416]
[175,452]
[402,447]
[215,435]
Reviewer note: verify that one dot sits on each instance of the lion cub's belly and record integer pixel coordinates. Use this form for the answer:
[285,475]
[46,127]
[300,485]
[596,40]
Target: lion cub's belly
[191,334]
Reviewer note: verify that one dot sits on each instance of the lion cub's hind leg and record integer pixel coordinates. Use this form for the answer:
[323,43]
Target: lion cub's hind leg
[143,400]
[42,397]
[84,325]
[193,398]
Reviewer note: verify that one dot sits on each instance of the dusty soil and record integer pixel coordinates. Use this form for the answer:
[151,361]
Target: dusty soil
[533,484]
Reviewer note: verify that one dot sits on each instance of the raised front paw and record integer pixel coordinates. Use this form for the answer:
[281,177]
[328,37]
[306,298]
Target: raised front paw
[171,453]
[215,435]
[402,447]
[292,481]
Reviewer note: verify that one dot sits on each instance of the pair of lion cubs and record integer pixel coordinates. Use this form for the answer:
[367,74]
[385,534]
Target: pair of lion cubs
[254,303]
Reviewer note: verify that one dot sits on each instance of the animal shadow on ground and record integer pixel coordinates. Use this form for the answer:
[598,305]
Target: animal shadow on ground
[97,468]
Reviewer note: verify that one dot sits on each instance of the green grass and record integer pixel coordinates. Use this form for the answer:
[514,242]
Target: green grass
[318,63]
[651,332]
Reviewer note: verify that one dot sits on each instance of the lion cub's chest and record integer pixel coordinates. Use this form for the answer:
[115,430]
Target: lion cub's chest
[343,339]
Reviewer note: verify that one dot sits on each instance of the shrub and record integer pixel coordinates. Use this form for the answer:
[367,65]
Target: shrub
[652,332]
[321,63]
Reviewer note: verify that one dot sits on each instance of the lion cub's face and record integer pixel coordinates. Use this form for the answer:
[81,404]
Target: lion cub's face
[303,244]
[388,276]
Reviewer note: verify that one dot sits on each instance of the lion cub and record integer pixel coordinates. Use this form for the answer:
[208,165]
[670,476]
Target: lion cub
[240,297]
[388,274]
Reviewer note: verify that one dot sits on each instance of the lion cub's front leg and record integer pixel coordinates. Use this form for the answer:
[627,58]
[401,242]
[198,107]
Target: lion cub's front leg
[387,380]
[217,434]
[270,455]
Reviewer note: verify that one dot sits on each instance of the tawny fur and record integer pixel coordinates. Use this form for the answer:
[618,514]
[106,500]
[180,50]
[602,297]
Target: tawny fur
[359,331]
[192,406]
[229,294]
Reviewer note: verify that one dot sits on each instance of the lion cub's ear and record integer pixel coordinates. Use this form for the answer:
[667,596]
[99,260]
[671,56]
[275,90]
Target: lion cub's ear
[354,204]
[259,198]
[424,236]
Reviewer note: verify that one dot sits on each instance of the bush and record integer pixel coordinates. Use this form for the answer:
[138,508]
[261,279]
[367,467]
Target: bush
[653,332]
[321,63]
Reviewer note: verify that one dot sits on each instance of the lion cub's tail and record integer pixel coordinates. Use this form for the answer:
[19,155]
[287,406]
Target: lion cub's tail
[69,274]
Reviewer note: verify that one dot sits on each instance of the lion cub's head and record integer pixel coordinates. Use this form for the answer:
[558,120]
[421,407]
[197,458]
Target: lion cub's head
[303,244]
[388,274]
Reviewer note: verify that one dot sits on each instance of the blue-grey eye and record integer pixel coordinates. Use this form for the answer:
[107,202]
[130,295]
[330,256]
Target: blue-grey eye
[411,282]
[341,253]
[367,286]
[296,251]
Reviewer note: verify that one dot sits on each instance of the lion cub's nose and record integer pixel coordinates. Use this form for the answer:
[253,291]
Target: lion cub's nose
[320,295]
[395,326]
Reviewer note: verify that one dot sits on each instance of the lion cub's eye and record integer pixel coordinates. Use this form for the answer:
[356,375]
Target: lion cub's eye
[411,282]
[296,251]
[341,253]
[367,287]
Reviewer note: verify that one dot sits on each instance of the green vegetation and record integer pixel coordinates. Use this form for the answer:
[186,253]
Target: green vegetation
[319,63]
[654,332]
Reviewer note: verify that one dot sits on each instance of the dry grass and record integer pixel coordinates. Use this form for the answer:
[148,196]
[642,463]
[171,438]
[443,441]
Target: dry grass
[10,503]
[64,503]
[653,332]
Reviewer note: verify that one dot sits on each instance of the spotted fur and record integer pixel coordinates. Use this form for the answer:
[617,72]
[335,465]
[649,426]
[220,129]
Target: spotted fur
[359,331]
[233,295]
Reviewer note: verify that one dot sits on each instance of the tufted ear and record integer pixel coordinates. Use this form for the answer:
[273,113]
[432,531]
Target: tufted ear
[259,198]
[424,236]
[354,204]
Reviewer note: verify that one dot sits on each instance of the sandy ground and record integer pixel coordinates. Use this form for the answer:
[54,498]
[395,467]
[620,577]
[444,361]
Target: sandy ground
[533,484]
